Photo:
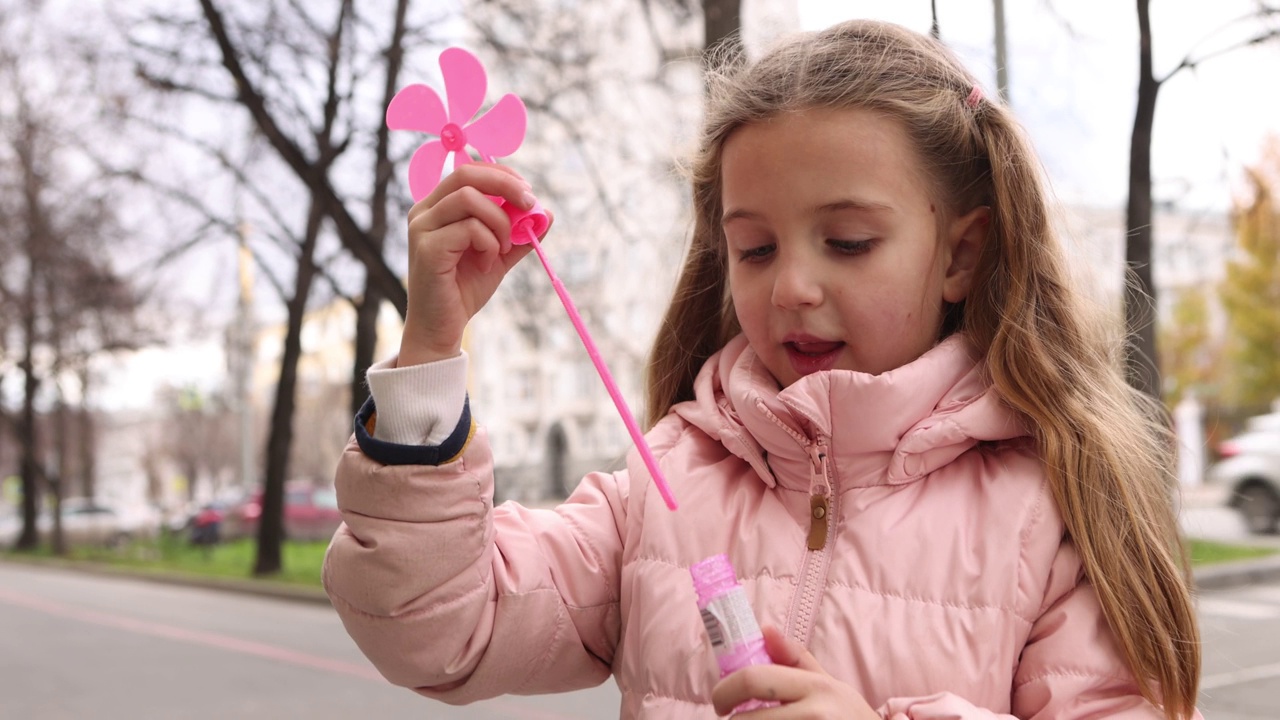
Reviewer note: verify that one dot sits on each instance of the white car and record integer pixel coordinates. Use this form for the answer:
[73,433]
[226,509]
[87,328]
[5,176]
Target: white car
[85,522]
[1250,468]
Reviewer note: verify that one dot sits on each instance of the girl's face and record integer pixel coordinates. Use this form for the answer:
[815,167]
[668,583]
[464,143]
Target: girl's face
[836,254]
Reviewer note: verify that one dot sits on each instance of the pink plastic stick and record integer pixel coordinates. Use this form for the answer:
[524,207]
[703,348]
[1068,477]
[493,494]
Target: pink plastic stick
[632,427]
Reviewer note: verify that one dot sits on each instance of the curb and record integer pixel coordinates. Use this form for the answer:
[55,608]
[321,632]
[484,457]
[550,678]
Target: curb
[1226,575]
[260,588]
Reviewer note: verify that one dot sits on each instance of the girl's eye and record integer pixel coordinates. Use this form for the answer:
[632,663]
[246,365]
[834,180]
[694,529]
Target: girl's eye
[756,254]
[849,247]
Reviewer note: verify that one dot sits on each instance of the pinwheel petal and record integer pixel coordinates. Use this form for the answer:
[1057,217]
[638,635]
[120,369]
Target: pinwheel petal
[416,107]
[499,131]
[425,168]
[460,158]
[464,83]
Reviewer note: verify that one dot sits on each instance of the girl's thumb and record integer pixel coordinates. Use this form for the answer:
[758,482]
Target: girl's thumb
[785,651]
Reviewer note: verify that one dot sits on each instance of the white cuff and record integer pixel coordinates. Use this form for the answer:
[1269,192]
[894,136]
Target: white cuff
[420,404]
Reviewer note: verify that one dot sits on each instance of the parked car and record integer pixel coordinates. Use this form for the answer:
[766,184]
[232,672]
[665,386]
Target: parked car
[87,522]
[310,513]
[1250,468]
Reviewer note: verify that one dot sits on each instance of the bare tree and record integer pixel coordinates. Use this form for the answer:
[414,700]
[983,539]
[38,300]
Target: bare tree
[69,303]
[260,60]
[1140,292]
[249,63]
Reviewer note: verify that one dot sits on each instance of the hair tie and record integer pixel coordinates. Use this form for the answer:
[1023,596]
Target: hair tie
[975,97]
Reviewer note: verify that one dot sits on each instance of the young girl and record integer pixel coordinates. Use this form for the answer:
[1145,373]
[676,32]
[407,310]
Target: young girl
[875,390]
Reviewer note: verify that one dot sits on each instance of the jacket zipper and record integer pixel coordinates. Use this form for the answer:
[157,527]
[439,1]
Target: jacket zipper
[822,506]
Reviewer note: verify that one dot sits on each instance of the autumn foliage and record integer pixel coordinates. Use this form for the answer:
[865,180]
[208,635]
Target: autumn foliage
[1251,291]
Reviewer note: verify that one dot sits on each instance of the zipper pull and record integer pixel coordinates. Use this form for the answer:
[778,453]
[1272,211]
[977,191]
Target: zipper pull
[819,503]
[819,506]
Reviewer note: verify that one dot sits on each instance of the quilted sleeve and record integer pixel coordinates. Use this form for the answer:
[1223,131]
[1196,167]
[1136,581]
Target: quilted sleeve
[461,601]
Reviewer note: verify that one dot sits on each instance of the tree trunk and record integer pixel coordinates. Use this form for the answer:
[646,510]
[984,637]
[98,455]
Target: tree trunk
[1139,295]
[722,23]
[280,440]
[366,342]
[28,436]
[56,486]
[1002,53]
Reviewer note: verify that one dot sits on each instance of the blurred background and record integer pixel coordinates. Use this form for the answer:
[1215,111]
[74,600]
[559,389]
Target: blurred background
[202,239]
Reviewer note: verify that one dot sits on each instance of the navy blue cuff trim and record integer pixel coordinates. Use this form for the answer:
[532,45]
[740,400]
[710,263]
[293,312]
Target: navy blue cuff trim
[395,454]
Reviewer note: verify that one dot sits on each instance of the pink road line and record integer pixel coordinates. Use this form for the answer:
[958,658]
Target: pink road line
[233,644]
[197,637]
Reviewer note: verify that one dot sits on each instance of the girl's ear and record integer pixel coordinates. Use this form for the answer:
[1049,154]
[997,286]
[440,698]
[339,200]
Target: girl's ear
[964,242]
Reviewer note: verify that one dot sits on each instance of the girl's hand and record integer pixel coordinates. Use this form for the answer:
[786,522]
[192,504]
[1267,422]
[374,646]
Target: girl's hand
[796,680]
[459,250]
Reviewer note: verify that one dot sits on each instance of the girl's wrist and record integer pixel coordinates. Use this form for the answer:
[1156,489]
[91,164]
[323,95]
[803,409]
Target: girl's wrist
[415,352]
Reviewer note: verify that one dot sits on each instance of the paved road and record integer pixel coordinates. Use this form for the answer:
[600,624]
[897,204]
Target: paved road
[80,646]
[1241,632]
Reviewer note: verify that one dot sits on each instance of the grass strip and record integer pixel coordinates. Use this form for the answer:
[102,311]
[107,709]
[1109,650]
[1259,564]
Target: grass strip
[1209,552]
[235,559]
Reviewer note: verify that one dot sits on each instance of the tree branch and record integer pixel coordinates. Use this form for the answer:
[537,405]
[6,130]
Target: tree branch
[1191,63]
[352,236]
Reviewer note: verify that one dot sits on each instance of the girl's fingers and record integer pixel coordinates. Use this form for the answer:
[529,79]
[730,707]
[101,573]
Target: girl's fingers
[773,683]
[463,204]
[794,675]
[468,234]
[488,178]
[785,651]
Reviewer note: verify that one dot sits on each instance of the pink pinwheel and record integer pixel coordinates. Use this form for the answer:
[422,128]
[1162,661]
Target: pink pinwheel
[496,133]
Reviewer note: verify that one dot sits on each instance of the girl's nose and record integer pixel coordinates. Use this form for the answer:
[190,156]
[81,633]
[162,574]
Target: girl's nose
[795,285]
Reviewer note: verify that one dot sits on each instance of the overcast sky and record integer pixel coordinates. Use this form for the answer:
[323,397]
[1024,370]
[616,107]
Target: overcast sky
[1073,67]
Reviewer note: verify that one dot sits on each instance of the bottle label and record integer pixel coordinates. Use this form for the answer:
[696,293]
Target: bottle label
[729,621]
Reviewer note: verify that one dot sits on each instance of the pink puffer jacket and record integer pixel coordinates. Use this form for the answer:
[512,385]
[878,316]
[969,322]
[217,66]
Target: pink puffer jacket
[898,525]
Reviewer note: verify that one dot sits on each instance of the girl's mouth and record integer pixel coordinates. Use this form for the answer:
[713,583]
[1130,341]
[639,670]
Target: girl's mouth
[811,357]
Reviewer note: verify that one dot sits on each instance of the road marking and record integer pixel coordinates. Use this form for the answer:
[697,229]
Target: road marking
[1239,677]
[199,637]
[233,644]
[1220,607]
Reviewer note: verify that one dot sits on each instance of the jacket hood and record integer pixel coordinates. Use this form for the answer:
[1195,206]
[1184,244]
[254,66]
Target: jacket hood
[890,428]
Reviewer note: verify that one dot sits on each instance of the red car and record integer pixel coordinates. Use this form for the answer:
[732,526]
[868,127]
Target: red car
[310,513]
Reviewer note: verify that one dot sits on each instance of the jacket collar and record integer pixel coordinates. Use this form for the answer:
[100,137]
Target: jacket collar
[885,429]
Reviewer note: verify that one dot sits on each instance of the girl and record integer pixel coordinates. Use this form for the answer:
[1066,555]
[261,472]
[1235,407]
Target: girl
[875,389]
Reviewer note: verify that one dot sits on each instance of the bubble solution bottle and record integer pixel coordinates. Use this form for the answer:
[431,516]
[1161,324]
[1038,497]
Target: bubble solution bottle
[731,626]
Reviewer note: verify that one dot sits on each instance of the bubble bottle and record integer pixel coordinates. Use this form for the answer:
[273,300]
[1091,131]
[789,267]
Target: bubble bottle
[731,625]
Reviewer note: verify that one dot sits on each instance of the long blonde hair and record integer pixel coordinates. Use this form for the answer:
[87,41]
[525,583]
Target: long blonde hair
[1105,448]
